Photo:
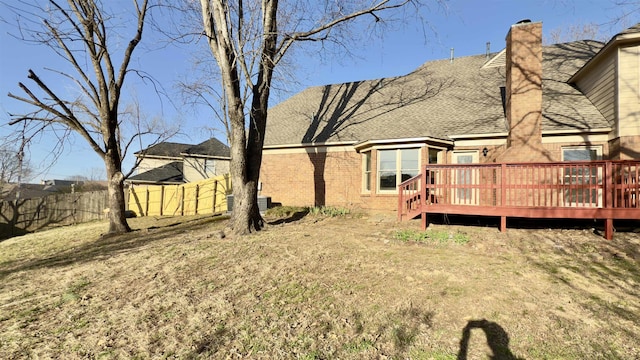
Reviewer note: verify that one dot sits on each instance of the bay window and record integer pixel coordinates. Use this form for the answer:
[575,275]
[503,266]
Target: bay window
[366,179]
[396,166]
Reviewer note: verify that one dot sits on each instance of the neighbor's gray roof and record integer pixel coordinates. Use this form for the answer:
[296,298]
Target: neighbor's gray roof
[8,191]
[211,147]
[439,99]
[169,173]
[165,149]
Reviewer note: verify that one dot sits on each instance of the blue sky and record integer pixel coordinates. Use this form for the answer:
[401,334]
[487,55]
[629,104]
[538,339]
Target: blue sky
[465,25]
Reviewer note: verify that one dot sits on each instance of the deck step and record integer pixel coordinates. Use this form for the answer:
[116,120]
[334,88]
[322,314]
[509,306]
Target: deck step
[411,214]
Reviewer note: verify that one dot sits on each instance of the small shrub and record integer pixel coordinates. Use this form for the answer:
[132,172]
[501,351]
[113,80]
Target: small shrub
[329,211]
[411,235]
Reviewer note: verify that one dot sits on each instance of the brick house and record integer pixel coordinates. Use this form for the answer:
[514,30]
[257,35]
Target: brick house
[352,144]
[169,163]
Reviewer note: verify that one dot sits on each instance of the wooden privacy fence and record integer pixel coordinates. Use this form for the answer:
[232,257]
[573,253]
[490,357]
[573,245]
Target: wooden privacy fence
[202,197]
[24,215]
[581,190]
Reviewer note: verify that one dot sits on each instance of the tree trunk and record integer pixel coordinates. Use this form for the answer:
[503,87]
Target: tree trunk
[245,170]
[115,185]
[245,217]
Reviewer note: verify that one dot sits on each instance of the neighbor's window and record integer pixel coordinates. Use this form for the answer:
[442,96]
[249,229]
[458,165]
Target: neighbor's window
[366,180]
[209,167]
[396,166]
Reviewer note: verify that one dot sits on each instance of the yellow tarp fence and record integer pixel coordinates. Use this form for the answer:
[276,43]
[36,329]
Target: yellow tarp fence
[202,197]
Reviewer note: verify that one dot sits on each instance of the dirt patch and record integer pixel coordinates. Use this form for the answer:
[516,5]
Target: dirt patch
[319,288]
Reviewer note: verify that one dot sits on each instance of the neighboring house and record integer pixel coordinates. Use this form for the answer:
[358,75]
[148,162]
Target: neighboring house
[206,160]
[352,144]
[13,191]
[175,163]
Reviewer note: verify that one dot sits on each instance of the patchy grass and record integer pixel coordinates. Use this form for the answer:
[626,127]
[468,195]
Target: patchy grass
[318,287]
[433,236]
[329,211]
[293,211]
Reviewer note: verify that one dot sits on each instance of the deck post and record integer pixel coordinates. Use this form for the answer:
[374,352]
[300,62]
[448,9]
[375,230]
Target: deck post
[400,204]
[503,195]
[608,199]
[503,181]
[423,198]
[608,229]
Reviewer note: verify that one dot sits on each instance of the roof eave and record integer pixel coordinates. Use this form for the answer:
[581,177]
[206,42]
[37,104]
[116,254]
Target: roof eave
[162,157]
[478,136]
[369,143]
[218,157]
[604,130]
[306,145]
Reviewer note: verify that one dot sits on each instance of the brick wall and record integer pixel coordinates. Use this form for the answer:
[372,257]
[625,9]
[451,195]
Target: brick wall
[316,177]
[524,84]
[625,148]
[524,95]
[321,178]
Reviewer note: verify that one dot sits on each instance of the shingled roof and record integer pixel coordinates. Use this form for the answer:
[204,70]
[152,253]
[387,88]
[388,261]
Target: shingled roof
[212,147]
[441,99]
[164,149]
[169,173]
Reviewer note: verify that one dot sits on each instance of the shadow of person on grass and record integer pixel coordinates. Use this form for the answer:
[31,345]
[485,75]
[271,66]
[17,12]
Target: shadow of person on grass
[497,340]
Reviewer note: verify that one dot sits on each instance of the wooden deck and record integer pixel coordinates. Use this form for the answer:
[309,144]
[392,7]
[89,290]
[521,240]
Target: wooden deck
[605,190]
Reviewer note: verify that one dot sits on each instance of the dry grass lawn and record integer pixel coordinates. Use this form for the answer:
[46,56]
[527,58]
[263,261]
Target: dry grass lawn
[320,287]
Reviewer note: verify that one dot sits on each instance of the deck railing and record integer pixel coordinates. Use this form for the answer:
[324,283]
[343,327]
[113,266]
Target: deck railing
[582,189]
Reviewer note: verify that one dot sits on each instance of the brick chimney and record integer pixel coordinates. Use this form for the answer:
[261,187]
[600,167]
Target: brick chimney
[524,93]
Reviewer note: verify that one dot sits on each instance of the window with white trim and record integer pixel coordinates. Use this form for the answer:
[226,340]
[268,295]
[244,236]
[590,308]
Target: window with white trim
[396,166]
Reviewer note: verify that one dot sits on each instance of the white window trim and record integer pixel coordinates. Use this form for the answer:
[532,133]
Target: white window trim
[398,146]
[398,166]
[364,171]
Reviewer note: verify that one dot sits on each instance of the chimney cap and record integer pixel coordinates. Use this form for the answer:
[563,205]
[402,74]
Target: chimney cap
[523,21]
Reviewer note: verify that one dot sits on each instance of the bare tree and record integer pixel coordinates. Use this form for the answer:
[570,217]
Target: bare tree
[248,39]
[89,39]
[627,12]
[568,33]
[13,166]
